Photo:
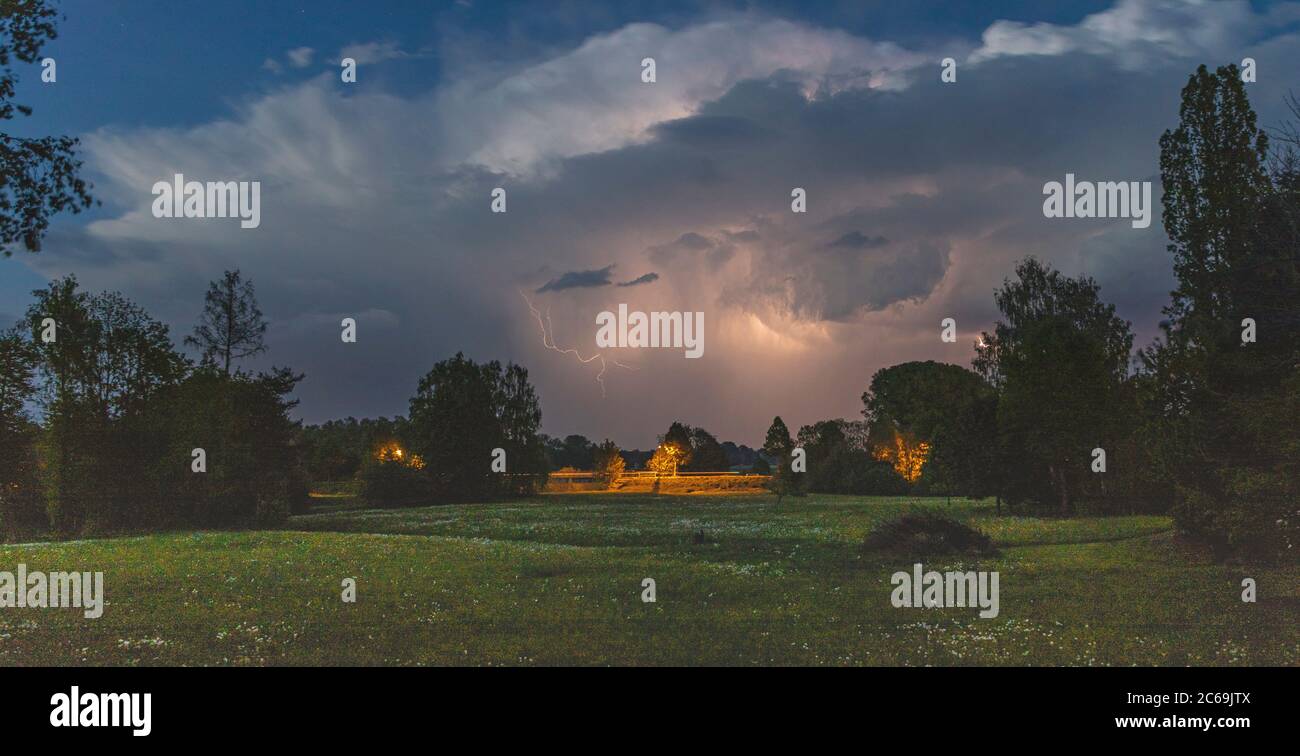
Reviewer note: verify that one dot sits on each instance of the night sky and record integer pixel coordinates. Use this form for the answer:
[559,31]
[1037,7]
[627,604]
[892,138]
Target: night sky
[375,196]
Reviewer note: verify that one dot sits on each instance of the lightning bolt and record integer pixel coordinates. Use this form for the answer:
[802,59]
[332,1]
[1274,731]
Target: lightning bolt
[548,341]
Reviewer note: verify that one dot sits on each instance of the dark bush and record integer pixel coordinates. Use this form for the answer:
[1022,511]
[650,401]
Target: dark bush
[926,534]
[254,475]
[873,477]
[393,483]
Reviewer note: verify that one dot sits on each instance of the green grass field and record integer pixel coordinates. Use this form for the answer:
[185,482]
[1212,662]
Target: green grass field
[557,580]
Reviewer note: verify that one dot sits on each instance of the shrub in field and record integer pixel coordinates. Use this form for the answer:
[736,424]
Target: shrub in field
[926,534]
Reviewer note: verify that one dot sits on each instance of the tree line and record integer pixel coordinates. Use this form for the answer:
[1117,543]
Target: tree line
[105,426]
[1060,414]
[336,450]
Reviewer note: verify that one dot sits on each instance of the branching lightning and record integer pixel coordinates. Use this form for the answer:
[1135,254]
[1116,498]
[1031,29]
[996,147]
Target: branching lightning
[548,341]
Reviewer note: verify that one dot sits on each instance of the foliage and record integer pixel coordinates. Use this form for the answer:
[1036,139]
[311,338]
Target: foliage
[688,449]
[739,455]
[608,463]
[38,175]
[336,449]
[122,412]
[1059,358]
[948,409]
[673,452]
[778,445]
[707,455]
[667,458]
[391,481]
[461,412]
[839,462]
[108,353]
[107,362]
[574,451]
[1226,409]
[254,475]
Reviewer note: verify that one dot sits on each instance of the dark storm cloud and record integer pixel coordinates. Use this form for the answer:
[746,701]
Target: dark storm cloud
[715,252]
[747,236]
[693,241]
[986,146]
[837,283]
[645,279]
[1135,274]
[858,240]
[712,132]
[984,158]
[579,279]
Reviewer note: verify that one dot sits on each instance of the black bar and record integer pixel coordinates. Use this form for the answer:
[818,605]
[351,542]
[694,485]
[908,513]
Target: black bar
[960,705]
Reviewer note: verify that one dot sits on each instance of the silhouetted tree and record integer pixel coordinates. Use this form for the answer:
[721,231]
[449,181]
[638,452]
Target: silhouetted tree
[707,454]
[231,326]
[608,463]
[778,445]
[1058,357]
[108,360]
[574,450]
[1227,433]
[336,449]
[461,412]
[123,412]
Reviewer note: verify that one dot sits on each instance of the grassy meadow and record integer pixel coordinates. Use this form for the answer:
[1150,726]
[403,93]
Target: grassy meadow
[557,580]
